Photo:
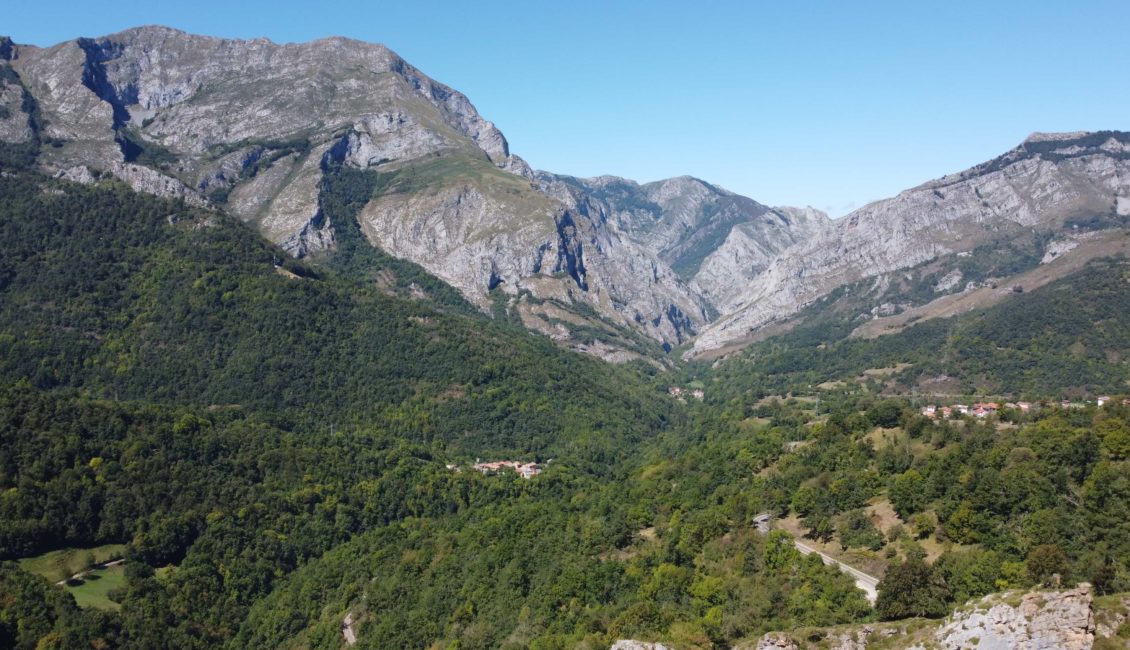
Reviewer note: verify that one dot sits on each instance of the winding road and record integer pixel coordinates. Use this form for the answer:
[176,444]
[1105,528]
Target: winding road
[868,583]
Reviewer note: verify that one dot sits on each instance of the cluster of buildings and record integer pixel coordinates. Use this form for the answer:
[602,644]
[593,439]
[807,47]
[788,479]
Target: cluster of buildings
[985,409]
[525,470]
[978,410]
[680,393]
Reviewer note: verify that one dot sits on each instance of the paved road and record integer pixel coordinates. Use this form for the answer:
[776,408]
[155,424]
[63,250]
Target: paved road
[865,582]
[763,522]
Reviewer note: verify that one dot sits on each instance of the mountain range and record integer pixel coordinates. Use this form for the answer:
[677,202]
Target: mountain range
[266,362]
[605,265]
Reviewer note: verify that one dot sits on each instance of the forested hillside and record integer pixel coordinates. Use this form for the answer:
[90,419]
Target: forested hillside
[130,297]
[1069,338]
[279,444]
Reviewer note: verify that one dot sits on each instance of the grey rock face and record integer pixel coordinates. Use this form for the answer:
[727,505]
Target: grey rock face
[713,239]
[1037,186]
[775,641]
[1042,621]
[252,126]
[15,126]
[1048,620]
[627,644]
[750,248]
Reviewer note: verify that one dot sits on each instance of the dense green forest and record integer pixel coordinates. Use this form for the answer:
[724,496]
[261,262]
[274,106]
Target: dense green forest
[128,297]
[1067,339]
[279,444]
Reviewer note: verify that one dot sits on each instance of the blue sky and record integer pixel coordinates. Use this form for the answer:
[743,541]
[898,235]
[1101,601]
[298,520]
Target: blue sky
[829,104]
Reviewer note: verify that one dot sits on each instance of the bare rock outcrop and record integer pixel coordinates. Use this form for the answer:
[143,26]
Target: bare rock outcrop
[775,641]
[1043,620]
[715,240]
[628,644]
[1049,620]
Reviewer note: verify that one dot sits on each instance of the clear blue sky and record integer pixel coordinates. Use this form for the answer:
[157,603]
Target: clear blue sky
[829,104]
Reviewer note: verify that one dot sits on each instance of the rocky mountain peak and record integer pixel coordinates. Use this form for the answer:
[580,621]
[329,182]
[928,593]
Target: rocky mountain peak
[254,127]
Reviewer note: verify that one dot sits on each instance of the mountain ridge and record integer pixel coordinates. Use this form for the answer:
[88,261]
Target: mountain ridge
[1034,188]
[227,122]
[256,128]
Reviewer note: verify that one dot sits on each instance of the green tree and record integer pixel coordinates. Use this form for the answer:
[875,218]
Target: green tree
[857,531]
[1044,563]
[912,588]
[780,551]
[908,493]
[961,526]
[1115,435]
[923,525]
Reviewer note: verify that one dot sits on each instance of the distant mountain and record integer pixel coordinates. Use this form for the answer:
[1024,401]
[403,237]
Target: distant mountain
[1054,191]
[713,239]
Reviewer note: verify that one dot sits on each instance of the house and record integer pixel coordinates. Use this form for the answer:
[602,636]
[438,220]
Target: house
[930,411]
[985,409]
[1102,400]
[698,394]
[676,391]
[947,412]
[961,408]
[1024,407]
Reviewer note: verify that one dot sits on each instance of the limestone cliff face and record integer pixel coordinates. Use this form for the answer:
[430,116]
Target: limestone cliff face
[1037,186]
[750,248]
[1060,620]
[253,126]
[714,239]
[627,644]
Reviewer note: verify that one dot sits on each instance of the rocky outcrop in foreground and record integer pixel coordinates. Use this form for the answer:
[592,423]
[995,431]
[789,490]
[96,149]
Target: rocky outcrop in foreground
[637,645]
[1042,620]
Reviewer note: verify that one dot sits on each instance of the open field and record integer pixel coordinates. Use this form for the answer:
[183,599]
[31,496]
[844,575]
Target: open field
[93,590]
[50,565]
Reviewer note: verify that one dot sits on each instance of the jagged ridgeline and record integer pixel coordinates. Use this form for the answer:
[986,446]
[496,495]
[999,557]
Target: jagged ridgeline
[617,269]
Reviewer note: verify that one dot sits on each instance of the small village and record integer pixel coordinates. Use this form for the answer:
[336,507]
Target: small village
[525,470]
[680,393]
[985,409]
